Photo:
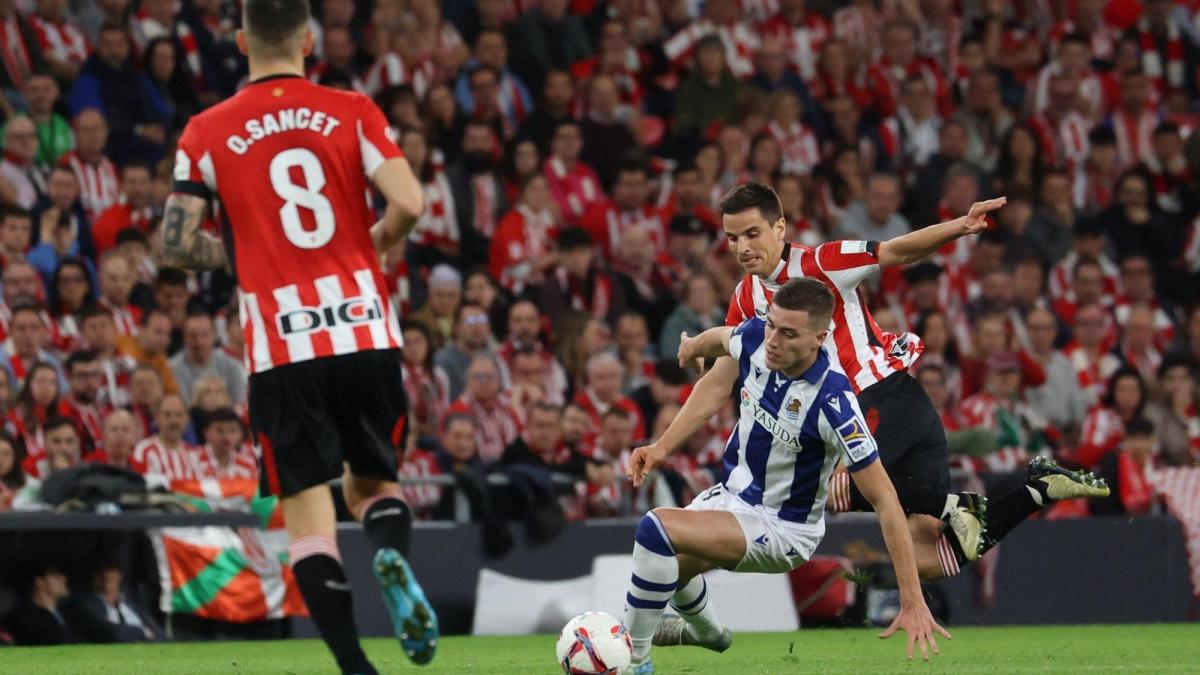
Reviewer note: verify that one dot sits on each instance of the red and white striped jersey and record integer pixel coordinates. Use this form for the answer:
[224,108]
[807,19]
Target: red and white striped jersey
[161,464]
[1134,136]
[865,352]
[126,318]
[99,183]
[607,224]
[392,69]
[243,465]
[799,145]
[1059,284]
[1164,327]
[62,40]
[803,42]
[421,498]
[982,410]
[289,161]
[1092,369]
[495,426]
[1101,434]
[739,38]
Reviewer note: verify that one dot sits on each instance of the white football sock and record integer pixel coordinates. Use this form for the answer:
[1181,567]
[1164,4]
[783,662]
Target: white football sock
[655,575]
[692,604]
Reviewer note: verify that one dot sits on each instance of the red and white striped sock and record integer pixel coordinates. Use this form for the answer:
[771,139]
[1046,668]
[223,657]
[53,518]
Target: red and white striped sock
[313,544]
[947,559]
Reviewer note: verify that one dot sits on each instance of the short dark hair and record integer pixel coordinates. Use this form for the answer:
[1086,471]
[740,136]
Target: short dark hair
[149,315]
[806,295]
[76,358]
[221,415]
[170,276]
[13,211]
[131,235]
[26,307]
[546,406]
[453,417]
[753,196]
[619,413]
[58,422]
[573,238]
[271,23]
[90,311]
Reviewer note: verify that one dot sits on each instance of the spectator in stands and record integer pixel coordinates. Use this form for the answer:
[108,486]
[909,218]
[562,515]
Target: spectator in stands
[479,199]
[440,313]
[1016,431]
[145,396]
[100,335]
[81,402]
[628,210]
[99,183]
[37,620]
[27,343]
[132,211]
[1137,344]
[21,181]
[498,423]
[933,381]
[663,387]
[985,118]
[15,235]
[553,108]
[472,337]
[172,296]
[62,208]
[54,134]
[481,289]
[607,496]
[1125,471]
[632,336]
[71,290]
[491,49]
[104,614]
[877,218]
[523,246]
[603,391]
[1020,165]
[698,312]
[1087,288]
[1089,351]
[540,443]
[165,456]
[1175,414]
[127,99]
[200,357]
[1053,219]
[149,346]
[578,284]
[1060,399]
[427,385]
[610,130]
[573,184]
[121,433]
[224,454]
[709,93]
[116,289]
[64,447]
[1137,289]
[1134,223]
[1104,426]
[550,38]
[12,474]
[645,285]
[167,71]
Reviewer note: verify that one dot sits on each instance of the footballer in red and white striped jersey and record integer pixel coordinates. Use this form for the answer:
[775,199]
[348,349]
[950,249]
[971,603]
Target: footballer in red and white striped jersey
[297,157]
[867,353]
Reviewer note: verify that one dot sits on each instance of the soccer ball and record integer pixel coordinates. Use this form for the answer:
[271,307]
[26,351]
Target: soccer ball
[594,643]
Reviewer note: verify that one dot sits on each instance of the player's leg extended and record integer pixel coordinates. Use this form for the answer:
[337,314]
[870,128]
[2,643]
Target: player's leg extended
[715,537]
[387,522]
[1045,482]
[311,524]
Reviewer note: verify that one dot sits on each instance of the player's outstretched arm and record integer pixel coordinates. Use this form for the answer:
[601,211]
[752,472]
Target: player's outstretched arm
[710,344]
[914,617]
[707,397]
[400,187]
[184,243]
[922,243]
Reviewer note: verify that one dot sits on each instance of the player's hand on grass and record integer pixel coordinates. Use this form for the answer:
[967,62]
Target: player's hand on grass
[918,623]
[976,219]
[689,354]
[643,460]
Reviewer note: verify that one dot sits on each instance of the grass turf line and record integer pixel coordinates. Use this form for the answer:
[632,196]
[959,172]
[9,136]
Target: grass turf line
[1161,648]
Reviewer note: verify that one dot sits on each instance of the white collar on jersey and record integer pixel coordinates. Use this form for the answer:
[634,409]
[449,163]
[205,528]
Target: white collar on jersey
[781,268]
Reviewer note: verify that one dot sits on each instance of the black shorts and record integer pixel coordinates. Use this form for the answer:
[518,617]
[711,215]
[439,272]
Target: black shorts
[310,417]
[909,432]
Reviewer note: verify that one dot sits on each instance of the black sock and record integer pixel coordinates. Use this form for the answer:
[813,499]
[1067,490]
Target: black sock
[388,524]
[1008,510]
[327,593]
[913,499]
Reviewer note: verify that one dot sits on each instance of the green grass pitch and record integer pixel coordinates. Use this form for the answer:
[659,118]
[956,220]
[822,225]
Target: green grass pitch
[1026,649]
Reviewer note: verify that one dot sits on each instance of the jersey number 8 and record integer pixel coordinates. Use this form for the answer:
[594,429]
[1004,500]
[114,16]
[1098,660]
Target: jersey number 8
[296,196]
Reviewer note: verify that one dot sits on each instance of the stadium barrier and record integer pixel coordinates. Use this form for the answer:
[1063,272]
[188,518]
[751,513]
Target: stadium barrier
[1098,570]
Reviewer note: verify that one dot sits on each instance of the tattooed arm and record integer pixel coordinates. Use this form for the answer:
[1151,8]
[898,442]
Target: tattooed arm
[184,244]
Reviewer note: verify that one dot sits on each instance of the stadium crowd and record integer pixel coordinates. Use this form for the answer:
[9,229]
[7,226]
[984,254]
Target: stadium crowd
[572,154]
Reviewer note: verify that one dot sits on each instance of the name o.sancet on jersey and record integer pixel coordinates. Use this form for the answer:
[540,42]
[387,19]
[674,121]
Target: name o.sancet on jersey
[290,162]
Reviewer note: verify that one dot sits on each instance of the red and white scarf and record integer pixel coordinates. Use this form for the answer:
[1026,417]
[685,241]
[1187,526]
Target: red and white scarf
[1174,75]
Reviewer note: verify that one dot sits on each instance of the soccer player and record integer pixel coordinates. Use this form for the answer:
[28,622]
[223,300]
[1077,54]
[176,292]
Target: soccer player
[876,362]
[799,416]
[289,162]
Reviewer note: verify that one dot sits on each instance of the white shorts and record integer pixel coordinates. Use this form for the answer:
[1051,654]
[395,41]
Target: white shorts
[772,545]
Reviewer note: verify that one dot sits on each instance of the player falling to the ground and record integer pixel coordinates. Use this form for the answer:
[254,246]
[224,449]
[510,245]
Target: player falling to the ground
[898,412]
[289,162]
[798,417]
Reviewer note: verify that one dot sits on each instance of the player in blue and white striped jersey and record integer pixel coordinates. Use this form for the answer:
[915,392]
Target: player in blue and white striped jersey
[798,418]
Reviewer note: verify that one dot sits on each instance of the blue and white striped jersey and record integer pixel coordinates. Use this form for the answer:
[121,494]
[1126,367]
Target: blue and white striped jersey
[791,432]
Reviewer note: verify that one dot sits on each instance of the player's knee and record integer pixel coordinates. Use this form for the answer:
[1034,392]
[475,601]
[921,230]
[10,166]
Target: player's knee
[652,534]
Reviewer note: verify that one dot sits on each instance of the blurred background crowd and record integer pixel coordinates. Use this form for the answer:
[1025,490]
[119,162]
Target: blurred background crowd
[572,153]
